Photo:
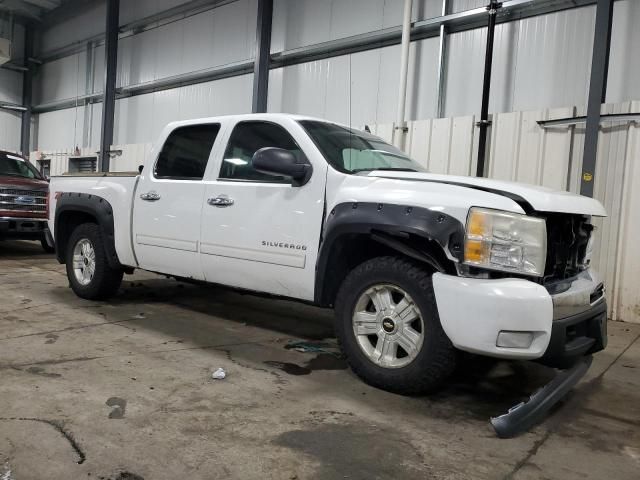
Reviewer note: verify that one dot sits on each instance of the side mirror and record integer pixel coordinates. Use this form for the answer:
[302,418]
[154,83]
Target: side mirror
[281,162]
[140,168]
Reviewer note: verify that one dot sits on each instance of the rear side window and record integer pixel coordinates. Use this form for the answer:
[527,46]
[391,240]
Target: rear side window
[186,151]
[246,139]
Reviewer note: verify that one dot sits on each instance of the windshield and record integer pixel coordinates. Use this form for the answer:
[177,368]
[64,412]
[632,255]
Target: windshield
[16,166]
[353,151]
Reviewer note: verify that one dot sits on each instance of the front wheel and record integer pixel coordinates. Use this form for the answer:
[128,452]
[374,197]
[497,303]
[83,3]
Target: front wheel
[387,323]
[88,269]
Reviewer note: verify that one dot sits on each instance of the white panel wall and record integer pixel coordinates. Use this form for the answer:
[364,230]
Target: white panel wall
[216,37]
[86,23]
[624,70]
[541,61]
[140,119]
[60,129]
[60,79]
[359,88]
[298,23]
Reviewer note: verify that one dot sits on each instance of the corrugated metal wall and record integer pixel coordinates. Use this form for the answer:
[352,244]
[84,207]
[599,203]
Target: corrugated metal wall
[540,62]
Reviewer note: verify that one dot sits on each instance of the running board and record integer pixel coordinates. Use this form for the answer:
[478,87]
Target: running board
[523,416]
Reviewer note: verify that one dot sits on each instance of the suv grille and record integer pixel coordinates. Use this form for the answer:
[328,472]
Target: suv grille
[567,239]
[24,201]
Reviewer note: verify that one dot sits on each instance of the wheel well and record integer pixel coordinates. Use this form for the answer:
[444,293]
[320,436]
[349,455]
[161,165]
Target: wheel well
[350,250]
[67,222]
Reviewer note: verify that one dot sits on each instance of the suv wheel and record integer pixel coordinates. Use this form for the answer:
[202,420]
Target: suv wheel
[88,269]
[387,323]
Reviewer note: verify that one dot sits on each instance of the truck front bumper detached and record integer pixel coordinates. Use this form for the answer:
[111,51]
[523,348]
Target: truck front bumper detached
[526,414]
[518,319]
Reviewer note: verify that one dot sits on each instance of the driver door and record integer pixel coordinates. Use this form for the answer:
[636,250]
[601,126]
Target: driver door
[259,232]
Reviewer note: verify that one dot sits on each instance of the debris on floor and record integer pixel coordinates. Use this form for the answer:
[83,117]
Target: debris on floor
[219,374]
[314,347]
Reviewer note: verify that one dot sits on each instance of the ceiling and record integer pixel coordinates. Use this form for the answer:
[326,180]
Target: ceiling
[29,9]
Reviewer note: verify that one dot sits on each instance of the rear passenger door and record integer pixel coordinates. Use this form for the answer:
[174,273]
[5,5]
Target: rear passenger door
[168,203]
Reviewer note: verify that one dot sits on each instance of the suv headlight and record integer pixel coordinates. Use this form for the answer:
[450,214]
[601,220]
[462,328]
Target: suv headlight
[505,241]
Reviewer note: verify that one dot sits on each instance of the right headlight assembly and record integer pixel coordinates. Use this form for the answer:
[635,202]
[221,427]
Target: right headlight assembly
[505,241]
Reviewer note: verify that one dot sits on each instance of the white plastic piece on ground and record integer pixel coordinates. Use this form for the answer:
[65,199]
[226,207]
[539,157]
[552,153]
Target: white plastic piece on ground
[474,311]
[219,374]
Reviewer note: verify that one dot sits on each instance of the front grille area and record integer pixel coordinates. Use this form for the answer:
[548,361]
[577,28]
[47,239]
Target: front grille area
[567,239]
[23,201]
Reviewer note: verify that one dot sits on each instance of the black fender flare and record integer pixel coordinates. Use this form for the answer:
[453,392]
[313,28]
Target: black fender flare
[93,205]
[389,224]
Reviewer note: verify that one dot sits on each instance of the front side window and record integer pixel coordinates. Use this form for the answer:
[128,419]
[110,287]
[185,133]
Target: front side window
[186,151]
[353,151]
[246,139]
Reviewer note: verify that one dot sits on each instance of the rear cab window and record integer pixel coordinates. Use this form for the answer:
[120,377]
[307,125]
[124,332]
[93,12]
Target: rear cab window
[186,151]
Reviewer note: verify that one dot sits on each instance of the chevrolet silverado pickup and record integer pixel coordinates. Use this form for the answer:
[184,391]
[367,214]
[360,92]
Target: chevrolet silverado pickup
[417,266]
[23,201]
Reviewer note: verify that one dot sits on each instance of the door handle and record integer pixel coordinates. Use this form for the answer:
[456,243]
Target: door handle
[151,196]
[220,201]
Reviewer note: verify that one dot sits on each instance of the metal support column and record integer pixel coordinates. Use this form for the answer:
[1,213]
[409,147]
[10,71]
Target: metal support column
[263,56]
[109,91]
[597,92]
[486,88]
[27,92]
[442,53]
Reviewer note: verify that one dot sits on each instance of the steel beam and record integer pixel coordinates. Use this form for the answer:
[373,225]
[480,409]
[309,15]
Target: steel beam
[27,93]
[484,123]
[442,53]
[263,56]
[109,91]
[597,93]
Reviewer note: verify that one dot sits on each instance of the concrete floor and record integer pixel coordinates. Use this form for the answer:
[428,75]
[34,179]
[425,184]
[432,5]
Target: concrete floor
[123,390]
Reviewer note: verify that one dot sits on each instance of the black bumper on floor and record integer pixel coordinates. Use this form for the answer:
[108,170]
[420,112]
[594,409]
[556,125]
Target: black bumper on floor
[576,336]
[22,229]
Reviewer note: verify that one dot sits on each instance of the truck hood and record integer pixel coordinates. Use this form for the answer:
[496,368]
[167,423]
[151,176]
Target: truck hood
[9,181]
[541,199]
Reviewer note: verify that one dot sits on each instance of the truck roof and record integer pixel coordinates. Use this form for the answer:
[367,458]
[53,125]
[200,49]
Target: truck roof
[250,116]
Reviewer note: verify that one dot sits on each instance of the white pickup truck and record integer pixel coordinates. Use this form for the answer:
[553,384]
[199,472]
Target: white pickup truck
[417,266]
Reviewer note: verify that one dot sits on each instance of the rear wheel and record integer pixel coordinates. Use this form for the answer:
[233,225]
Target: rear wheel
[88,269]
[387,323]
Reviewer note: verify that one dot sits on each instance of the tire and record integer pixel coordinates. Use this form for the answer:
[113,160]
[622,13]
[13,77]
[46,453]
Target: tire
[432,360]
[105,280]
[46,247]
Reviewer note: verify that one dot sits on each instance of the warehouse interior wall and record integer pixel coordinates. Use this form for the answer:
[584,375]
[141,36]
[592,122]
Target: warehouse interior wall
[539,62]
[11,87]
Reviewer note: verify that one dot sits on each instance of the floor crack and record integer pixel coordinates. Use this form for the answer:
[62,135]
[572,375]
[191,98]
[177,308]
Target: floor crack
[59,427]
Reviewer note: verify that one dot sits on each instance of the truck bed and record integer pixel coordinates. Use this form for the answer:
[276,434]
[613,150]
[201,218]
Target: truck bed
[117,188]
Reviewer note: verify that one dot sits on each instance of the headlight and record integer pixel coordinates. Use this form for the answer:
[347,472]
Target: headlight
[505,241]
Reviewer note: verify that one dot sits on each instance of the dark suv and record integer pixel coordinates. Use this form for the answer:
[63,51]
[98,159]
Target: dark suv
[24,202]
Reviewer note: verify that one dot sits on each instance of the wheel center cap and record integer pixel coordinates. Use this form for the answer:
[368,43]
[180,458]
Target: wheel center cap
[388,325]
[86,261]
